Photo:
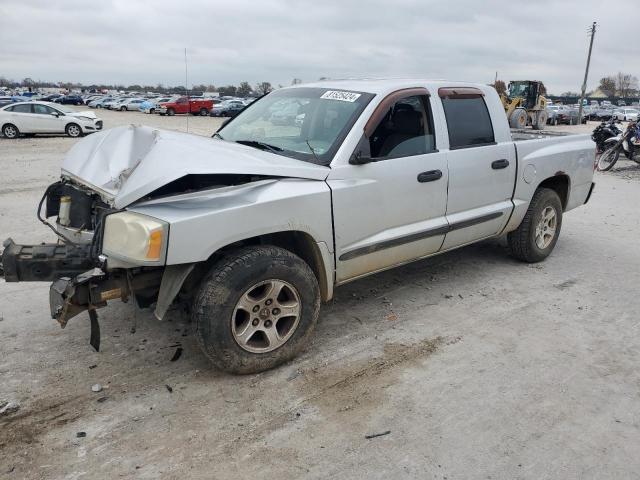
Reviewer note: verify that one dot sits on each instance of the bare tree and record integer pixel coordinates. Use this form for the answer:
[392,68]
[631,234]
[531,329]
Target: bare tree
[608,86]
[263,88]
[625,83]
[500,87]
[244,89]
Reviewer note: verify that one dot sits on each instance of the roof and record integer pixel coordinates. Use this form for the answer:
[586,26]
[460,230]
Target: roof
[386,85]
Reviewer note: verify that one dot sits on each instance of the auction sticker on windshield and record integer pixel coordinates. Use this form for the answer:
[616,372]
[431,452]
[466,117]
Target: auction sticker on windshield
[342,96]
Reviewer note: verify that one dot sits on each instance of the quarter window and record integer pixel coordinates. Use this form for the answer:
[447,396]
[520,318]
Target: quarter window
[468,122]
[406,130]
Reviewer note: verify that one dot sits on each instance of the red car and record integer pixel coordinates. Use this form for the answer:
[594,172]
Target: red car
[195,106]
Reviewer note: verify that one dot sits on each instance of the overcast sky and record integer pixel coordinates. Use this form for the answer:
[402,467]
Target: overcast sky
[126,42]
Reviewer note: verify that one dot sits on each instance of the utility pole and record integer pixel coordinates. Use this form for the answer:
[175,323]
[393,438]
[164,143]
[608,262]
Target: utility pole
[592,32]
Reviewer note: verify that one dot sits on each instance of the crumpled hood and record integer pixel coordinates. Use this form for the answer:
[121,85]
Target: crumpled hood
[126,163]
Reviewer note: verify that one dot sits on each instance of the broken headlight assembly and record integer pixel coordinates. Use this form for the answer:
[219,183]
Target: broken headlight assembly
[135,238]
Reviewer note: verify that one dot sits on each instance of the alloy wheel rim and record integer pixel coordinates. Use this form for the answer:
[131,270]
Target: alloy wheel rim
[74,131]
[266,316]
[546,228]
[10,132]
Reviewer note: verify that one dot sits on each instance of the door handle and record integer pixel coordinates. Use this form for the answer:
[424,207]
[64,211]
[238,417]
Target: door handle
[498,164]
[430,176]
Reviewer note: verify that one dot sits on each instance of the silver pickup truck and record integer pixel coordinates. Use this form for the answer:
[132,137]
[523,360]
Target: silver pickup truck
[308,188]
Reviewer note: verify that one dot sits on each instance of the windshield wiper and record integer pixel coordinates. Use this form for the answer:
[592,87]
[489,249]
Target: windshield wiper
[217,135]
[260,145]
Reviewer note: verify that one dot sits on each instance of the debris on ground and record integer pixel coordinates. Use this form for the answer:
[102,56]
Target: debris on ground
[81,434]
[96,388]
[91,367]
[102,399]
[7,408]
[374,435]
[169,388]
[177,355]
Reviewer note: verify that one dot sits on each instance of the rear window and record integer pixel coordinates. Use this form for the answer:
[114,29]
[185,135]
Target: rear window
[468,122]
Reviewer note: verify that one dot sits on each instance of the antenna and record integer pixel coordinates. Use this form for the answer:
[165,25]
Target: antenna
[186,87]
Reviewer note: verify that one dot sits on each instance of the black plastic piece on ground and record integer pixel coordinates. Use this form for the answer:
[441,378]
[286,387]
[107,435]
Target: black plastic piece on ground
[94,340]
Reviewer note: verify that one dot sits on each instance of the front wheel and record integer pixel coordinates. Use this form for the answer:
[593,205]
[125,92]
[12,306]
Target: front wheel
[171,112]
[10,131]
[73,130]
[203,112]
[538,233]
[256,309]
[608,159]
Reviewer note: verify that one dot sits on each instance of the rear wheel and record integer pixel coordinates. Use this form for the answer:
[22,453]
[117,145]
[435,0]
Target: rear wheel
[256,309]
[122,109]
[171,112]
[538,233]
[73,130]
[10,131]
[608,158]
[518,118]
[204,112]
[152,110]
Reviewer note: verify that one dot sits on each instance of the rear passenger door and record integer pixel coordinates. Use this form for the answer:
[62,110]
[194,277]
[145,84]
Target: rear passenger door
[482,170]
[22,117]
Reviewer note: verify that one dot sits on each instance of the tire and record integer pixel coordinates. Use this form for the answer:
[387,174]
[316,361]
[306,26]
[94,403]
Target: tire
[152,111]
[204,112]
[10,131]
[221,320]
[541,120]
[518,118]
[535,238]
[608,159]
[171,112]
[73,130]
[122,109]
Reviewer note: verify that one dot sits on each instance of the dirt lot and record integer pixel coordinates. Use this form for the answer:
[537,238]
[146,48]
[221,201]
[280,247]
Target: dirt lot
[477,365]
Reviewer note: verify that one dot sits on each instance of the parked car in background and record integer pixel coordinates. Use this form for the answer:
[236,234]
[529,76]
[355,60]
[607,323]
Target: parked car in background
[131,104]
[51,98]
[226,109]
[627,115]
[185,105]
[70,100]
[109,104]
[44,117]
[98,102]
[552,112]
[4,101]
[149,106]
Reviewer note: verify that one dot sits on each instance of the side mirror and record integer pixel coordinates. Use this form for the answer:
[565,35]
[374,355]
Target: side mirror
[357,158]
[55,114]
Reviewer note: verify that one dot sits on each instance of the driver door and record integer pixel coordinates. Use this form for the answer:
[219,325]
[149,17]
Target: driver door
[391,210]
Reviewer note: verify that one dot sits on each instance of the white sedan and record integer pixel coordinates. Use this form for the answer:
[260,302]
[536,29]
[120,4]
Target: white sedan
[627,115]
[44,117]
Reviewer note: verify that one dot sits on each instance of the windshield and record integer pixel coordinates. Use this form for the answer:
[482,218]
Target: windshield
[304,123]
[518,89]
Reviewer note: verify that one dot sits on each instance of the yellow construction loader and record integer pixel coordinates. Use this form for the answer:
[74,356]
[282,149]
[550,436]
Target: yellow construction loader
[524,105]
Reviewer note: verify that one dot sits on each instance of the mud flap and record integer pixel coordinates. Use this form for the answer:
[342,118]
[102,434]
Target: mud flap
[94,340]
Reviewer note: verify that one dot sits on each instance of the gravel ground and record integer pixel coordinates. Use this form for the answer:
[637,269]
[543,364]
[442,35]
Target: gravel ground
[476,365]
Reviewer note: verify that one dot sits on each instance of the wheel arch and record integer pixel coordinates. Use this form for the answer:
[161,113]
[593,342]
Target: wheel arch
[559,183]
[297,242]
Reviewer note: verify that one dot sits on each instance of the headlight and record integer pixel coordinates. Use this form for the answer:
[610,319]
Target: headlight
[135,238]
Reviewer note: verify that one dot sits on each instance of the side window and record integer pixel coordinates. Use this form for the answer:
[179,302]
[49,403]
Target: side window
[406,130]
[23,108]
[468,121]
[42,109]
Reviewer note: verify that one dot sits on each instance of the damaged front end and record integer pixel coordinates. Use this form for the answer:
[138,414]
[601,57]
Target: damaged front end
[80,279]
